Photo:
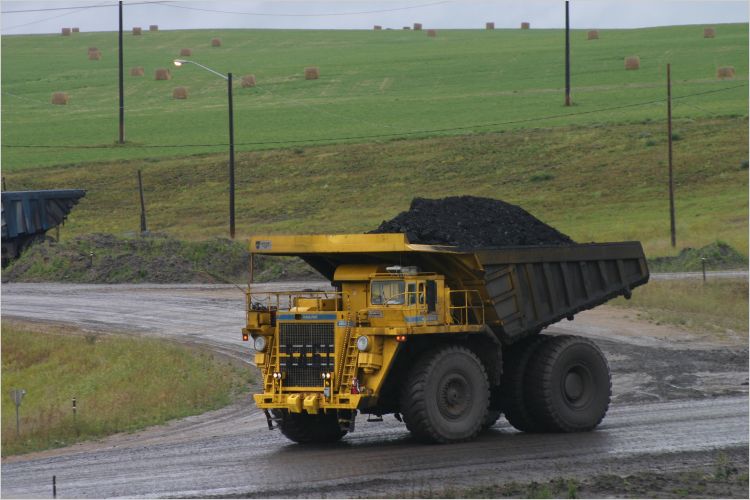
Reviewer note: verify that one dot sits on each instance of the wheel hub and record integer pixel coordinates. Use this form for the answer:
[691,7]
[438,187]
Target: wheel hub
[454,396]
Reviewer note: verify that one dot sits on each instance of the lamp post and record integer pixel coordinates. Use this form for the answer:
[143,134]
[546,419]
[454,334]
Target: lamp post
[228,78]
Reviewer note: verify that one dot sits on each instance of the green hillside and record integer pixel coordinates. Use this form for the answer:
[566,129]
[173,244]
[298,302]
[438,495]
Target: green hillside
[373,83]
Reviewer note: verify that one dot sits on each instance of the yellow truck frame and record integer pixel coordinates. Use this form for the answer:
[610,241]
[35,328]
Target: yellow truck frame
[423,332]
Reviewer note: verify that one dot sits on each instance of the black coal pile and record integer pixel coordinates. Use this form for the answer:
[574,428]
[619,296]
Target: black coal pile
[471,222]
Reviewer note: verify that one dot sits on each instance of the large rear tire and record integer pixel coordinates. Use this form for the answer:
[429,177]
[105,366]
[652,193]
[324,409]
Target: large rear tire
[446,397]
[304,428]
[570,384]
[514,387]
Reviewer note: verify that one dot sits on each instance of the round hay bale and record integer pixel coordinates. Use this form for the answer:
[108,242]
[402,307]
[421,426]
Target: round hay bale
[593,35]
[432,33]
[725,72]
[417,26]
[163,74]
[525,26]
[76,30]
[153,27]
[93,49]
[137,71]
[66,32]
[377,27]
[59,98]
[180,93]
[312,73]
[215,42]
[632,62]
[248,81]
[709,32]
[489,26]
[186,52]
[95,55]
[137,30]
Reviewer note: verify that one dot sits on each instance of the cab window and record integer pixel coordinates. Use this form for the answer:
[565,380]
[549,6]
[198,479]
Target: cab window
[411,294]
[387,292]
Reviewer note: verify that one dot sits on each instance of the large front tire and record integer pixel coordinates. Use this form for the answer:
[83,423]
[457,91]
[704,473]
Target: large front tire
[304,428]
[446,398]
[570,384]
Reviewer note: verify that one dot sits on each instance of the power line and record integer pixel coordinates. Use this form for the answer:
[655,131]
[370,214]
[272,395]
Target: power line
[80,7]
[328,14]
[41,20]
[381,136]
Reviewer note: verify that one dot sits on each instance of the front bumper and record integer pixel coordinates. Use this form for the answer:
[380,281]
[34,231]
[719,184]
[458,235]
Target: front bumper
[311,402]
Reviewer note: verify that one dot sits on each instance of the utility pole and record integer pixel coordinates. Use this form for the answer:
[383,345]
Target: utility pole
[122,91]
[671,176]
[231,156]
[567,53]
[143,205]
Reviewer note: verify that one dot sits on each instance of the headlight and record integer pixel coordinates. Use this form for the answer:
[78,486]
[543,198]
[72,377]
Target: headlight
[260,343]
[363,343]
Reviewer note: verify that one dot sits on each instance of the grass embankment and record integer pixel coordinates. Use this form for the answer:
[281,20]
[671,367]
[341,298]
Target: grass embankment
[156,258]
[120,384]
[372,83]
[716,306]
[594,183]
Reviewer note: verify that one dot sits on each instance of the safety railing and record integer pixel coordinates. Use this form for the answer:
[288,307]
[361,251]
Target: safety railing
[310,300]
[466,307]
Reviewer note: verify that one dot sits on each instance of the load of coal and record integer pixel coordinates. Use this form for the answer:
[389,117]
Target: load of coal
[471,222]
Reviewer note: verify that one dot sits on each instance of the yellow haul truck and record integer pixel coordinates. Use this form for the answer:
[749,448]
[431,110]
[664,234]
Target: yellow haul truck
[444,338]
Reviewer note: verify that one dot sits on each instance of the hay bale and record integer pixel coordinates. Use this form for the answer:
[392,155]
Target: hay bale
[709,32]
[248,81]
[153,27]
[432,33]
[725,72]
[137,30]
[186,52]
[163,74]
[406,28]
[180,93]
[312,73]
[59,98]
[93,49]
[525,26]
[632,62]
[66,32]
[137,71]
[215,42]
[417,26]
[593,35]
[377,27]
[489,26]
[76,30]
[95,55]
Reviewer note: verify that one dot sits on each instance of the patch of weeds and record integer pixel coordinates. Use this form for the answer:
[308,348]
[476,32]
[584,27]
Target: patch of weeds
[743,165]
[676,136]
[541,177]
[650,143]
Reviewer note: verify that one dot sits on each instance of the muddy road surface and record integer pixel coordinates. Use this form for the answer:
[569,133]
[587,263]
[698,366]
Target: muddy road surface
[678,400]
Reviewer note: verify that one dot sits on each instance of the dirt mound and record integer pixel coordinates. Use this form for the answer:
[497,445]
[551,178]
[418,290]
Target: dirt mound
[471,222]
[718,256]
[155,258]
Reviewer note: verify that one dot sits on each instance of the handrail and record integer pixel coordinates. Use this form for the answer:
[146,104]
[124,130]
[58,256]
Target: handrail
[464,303]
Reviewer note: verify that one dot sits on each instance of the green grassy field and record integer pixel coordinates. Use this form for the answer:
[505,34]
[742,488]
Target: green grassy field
[384,83]
[595,183]
[120,384]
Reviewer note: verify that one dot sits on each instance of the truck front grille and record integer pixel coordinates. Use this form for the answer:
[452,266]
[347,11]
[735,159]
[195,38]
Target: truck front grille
[306,350]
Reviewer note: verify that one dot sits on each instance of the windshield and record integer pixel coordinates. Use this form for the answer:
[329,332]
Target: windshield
[387,292]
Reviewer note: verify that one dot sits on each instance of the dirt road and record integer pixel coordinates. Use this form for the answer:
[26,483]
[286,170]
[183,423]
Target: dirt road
[675,404]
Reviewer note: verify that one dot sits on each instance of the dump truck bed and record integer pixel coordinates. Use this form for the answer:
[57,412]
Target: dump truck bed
[524,289]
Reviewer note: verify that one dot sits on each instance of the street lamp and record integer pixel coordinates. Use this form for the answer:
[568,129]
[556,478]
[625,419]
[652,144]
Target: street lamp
[228,78]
